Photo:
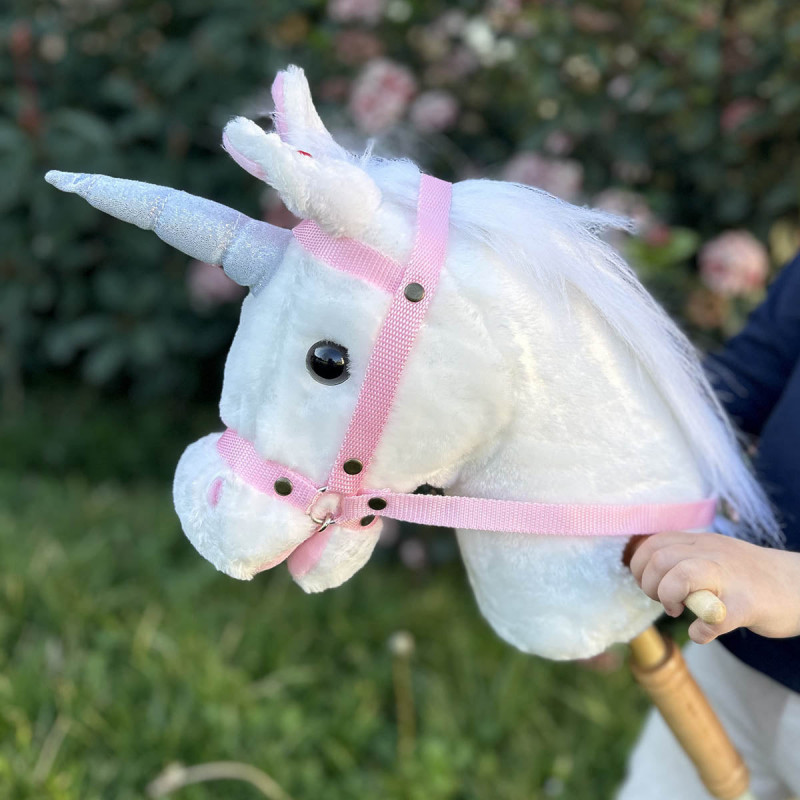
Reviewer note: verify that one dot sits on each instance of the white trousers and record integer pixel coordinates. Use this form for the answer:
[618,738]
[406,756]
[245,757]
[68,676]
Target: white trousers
[761,716]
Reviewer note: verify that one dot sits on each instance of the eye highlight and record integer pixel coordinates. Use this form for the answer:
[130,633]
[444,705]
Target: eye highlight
[327,362]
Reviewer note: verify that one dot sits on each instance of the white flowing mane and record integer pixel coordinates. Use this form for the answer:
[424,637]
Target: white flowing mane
[567,250]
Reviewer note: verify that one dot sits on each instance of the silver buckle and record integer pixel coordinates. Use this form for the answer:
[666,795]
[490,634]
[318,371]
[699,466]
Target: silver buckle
[328,520]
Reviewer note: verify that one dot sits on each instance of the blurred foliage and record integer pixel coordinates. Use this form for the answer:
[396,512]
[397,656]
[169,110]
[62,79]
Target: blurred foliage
[122,651]
[693,105]
[65,430]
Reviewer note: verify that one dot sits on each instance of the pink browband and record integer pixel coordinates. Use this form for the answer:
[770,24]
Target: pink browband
[345,501]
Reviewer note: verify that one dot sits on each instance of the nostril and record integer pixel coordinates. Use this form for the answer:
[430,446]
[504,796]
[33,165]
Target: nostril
[215,492]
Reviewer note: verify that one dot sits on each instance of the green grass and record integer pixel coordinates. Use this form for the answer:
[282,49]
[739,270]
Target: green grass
[121,651]
[110,623]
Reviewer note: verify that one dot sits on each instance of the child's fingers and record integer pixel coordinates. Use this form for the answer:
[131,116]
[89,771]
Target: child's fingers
[687,575]
[661,562]
[649,546]
[703,633]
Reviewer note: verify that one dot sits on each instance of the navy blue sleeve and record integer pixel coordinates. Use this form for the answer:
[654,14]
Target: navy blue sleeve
[750,372]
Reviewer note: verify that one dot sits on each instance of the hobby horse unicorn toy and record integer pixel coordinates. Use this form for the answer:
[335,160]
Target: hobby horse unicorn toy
[479,337]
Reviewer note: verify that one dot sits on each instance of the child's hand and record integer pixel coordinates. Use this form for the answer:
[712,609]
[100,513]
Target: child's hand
[759,586]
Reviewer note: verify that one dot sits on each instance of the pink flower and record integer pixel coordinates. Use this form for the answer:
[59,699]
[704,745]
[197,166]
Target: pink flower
[659,235]
[593,20]
[357,46]
[707,16]
[628,204]
[565,178]
[738,53]
[737,112]
[631,171]
[431,41]
[275,212]
[459,63]
[502,13]
[20,39]
[733,263]
[452,22]
[619,87]
[381,94]
[529,168]
[559,176]
[433,111]
[369,11]
[506,6]
[209,286]
[559,143]
[334,89]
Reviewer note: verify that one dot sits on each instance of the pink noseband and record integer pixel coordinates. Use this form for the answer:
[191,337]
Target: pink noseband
[344,501]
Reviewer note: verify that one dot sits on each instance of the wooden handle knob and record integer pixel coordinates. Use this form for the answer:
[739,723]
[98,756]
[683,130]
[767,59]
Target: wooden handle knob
[706,606]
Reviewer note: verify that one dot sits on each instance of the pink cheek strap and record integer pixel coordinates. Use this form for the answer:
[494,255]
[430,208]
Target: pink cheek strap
[410,301]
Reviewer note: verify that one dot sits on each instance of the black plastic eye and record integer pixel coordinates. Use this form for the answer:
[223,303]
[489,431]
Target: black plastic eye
[327,362]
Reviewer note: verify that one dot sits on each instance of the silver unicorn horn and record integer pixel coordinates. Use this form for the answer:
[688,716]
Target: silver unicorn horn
[247,249]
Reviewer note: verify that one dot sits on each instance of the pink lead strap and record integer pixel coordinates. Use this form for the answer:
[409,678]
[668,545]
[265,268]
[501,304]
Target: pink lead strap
[554,519]
[412,290]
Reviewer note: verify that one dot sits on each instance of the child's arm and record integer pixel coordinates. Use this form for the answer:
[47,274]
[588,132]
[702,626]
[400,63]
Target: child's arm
[759,586]
[750,373]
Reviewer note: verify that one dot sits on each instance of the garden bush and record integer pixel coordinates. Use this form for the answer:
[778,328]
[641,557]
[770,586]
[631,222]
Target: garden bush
[682,114]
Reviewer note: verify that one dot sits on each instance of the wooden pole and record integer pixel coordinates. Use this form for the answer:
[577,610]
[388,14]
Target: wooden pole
[658,666]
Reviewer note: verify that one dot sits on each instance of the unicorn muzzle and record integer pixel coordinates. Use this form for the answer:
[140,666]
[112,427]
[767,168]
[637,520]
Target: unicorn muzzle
[246,515]
[241,529]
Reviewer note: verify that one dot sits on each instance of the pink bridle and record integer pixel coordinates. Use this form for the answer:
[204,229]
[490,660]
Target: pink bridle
[344,500]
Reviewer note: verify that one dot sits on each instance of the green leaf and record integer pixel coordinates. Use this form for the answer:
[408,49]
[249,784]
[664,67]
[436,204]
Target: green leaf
[16,165]
[104,362]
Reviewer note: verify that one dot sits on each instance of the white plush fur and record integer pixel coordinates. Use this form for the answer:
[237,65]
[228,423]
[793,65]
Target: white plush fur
[312,186]
[304,128]
[543,372]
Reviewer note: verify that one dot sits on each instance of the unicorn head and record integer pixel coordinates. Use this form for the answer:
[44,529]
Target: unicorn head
[540,371]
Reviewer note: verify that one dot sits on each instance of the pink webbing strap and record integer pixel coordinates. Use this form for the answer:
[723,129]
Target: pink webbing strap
[470,513]
[350,255]
[397,336]
[556,519]
[240,455]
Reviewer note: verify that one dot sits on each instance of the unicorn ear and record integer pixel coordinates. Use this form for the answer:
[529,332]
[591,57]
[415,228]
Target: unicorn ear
[296,119]
[296,122]
[338,195]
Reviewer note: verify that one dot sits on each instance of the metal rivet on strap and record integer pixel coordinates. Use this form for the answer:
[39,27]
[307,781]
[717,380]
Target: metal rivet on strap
[368,520]
[283,487]
[376,503]
[352,466]
[414,292]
